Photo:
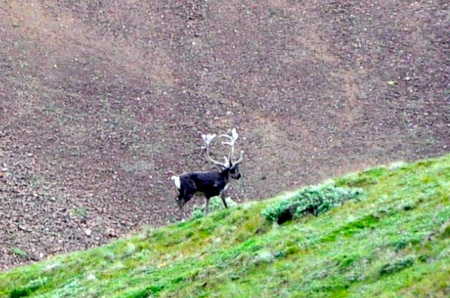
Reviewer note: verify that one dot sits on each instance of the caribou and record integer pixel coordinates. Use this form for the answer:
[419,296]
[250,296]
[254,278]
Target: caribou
[213,183]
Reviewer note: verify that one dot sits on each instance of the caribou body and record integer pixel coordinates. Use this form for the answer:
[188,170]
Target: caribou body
[210,184]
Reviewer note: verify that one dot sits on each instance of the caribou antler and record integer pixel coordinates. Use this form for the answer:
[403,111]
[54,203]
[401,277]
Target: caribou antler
[207,139]
[232,138]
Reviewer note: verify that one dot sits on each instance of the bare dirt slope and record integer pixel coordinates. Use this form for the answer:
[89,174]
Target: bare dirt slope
[102,101]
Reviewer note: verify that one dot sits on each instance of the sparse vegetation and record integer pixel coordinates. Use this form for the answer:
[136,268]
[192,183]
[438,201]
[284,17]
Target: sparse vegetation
[215,204]
[394,242]
[19,252]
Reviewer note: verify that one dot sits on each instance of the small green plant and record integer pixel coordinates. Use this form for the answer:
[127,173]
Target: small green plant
[19,252]
[311,200]
[444,230]
[29,288]
[79,212]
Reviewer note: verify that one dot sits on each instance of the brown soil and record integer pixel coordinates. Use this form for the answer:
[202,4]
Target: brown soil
[102,101]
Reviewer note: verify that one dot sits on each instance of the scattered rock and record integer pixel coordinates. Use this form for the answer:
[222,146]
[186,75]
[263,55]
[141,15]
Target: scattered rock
[264,257]
[112,233]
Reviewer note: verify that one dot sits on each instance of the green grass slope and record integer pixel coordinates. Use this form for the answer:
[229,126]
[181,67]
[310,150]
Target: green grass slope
[392,241]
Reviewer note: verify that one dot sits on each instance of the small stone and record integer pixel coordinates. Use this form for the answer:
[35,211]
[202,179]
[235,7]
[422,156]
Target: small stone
[131,248]
[53,266]
[112,233]
[88,232]
[264,257]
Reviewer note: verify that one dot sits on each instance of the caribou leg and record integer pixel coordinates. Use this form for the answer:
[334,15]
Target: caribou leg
[222,196]
[207,206]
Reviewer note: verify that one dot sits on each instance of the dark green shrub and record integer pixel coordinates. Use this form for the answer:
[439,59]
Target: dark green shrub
[397,266]
[311,200]
[29,288]
[16,293]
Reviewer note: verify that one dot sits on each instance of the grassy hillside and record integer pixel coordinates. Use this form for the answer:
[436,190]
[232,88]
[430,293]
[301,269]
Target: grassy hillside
[392,240]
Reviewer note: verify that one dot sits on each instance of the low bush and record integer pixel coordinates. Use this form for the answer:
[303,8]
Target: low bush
[310,200]
[396,266]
